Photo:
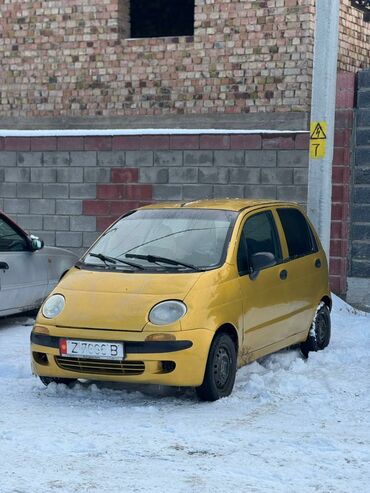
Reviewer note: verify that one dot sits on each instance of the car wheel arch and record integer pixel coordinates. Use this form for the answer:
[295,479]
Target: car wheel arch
[328,302]
[229,329]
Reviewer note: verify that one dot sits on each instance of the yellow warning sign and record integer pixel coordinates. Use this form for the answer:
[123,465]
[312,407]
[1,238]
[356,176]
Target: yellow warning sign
[318,131]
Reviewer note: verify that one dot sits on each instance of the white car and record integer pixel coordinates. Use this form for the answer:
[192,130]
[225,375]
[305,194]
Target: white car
[28,270]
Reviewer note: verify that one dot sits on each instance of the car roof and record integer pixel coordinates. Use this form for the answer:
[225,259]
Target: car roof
[221,204]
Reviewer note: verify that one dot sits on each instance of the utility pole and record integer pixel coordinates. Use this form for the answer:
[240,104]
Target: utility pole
[322,117]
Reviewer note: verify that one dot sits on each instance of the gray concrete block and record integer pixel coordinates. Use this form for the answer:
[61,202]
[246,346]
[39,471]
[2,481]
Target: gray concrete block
[361,250]
[112,159]
[296,193]
[361,194]
[229,158]
[17,175]
[135,159]
[277,176]
[97,175]
[70,175]
[29,190]
[358,290]
[2,175]
[167,192]
[89,238]
[56,223]
[197,192]
[361,213]
[29,159]
[8,190]
[70,207]
[361,232]
[213,175]
[228,191]
[260,192]
[364,80]
[55,191]
[30,222]
[68,239]
[43,175]
[198,158]
[295,159]
[168,158]
[56,158]
[245,175]
[16,206]
[47,236]
[83,158]
[362,157]
[363,99]
[83,223]
[8,159]
[361,176]
[83,191]
[183,175]
[153,175]
[300,176]
[360,268]
[42,206]
[257,159]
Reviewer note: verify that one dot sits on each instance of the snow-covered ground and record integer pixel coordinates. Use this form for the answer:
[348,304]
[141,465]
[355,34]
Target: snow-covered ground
[290,426]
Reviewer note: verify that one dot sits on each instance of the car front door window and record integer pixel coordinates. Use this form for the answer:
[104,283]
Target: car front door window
[10,239]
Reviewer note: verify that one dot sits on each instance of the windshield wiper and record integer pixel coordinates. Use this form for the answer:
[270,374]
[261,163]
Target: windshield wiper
[113,260]
[155,259]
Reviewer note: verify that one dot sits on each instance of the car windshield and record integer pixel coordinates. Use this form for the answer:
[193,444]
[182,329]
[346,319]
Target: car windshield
[167,239]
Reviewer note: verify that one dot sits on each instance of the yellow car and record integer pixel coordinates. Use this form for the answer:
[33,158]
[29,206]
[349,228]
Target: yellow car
[184,293]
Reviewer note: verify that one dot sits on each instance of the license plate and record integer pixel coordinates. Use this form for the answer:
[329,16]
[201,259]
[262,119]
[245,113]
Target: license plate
[72,348]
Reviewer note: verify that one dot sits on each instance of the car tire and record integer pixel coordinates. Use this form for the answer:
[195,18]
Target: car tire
[220,371]
[319,334]
[66,381]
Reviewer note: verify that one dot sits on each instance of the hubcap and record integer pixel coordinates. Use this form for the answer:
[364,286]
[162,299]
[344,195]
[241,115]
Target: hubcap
[222,365]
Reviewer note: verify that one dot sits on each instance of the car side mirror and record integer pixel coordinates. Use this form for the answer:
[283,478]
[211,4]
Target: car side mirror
[259,261]
[36,243]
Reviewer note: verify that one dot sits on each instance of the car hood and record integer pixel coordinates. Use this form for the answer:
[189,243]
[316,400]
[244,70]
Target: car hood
[117,300]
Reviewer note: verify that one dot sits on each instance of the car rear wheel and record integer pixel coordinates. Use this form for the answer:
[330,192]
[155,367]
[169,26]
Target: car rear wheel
[319,335]
[220,371]
[66,381]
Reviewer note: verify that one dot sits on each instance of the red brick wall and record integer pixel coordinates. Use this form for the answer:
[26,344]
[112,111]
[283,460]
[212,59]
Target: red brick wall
[339,247]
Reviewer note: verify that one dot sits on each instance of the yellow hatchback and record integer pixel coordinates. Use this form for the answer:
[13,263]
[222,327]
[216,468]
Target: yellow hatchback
[184,293]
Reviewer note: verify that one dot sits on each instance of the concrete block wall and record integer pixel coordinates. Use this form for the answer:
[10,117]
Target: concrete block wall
[68,189]
[359,275]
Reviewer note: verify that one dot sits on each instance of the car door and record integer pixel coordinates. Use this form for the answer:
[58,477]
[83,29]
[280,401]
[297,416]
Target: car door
[23,273]
[265,311]
[304,264]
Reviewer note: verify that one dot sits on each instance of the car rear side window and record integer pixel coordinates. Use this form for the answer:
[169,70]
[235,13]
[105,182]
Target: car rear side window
[259,235]
[298,234]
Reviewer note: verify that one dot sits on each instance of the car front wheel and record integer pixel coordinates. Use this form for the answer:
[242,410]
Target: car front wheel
[319,334]
[220,371]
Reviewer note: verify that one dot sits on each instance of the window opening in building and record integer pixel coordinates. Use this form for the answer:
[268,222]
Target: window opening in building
[158,18]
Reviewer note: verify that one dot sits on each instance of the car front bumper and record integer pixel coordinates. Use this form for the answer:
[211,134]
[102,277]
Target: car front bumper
[177,362]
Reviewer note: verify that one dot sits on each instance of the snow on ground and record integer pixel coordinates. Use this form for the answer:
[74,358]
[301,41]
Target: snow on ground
[289,426]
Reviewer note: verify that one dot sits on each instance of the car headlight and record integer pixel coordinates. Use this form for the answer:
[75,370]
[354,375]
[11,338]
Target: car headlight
[53,306]
[167,312]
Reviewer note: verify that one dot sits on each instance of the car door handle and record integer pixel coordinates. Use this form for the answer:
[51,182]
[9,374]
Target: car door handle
[4,266]
[317,263]
[283,274]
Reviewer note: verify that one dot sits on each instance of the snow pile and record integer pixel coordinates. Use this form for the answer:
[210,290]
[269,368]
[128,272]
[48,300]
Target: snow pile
[290,425]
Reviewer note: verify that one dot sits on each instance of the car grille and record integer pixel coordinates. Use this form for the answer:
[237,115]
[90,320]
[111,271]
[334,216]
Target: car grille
[102,367]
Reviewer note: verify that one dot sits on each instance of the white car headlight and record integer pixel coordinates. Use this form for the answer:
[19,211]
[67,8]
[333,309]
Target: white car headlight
[53,306]
[167,312]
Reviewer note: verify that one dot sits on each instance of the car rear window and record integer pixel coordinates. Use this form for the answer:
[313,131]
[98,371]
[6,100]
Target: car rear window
[298,234]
